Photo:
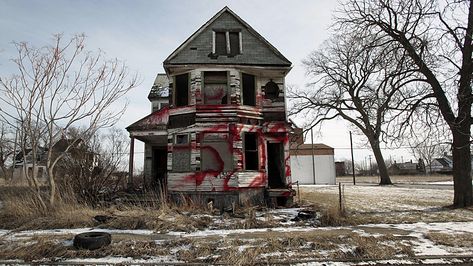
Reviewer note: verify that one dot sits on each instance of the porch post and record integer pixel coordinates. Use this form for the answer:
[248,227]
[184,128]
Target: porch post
[130,163]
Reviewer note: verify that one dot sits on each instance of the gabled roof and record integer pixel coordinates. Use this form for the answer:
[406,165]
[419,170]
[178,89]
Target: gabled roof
[256,50]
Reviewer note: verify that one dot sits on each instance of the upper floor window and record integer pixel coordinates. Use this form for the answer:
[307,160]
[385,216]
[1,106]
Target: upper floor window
[249,89]
[227,42]
[181,92]
[215,89]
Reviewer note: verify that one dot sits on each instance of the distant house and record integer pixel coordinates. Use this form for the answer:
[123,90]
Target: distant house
[442,165]
[407,168]
[24,161]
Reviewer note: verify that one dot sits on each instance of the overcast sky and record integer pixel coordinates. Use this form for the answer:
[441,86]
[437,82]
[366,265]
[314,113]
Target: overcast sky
[143,33]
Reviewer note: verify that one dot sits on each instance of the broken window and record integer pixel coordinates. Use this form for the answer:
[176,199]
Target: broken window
[251,151]
[181,154]
[249,89]
[182,90]
[227,42]
[215,87]
[216,152]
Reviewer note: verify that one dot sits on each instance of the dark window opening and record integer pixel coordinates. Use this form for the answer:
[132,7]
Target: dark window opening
[249,89]
[220,43]
[251,151]
[182,139]
[271,90]
[215,87]
[234,43]
[182,90]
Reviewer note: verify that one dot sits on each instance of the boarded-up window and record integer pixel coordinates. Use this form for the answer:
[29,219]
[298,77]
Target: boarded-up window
[249,89]
[216,152]
[227,42]
[215,87]
[182,90]
[251,151]
[234,43]
[181,154]
[220,43]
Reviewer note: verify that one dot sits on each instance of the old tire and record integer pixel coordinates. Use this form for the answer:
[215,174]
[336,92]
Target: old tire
[92,240]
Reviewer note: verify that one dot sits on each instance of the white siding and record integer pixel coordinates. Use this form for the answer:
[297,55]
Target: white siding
[301,169]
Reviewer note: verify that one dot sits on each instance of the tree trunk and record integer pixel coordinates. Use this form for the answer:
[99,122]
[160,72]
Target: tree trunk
[383,170]
[462,167]
[52,186]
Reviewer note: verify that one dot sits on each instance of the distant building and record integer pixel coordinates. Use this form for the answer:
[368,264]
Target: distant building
[442,165]
[340,169]
[302,165]
[407,168]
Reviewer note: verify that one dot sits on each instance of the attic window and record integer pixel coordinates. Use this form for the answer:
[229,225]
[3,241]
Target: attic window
[227,42]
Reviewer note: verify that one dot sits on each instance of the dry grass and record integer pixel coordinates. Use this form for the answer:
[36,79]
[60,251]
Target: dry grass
[263,247]
[379,204]
[22,209]
[397,179]
[452,240]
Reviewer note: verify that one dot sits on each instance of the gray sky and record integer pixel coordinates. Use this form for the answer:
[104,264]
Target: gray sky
[144,32]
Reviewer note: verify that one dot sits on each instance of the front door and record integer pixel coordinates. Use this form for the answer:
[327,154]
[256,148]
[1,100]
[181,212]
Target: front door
[276,178]
[160,156]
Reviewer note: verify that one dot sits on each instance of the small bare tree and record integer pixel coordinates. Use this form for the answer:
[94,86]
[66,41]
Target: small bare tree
[57,87]
[93,168]
[359,82]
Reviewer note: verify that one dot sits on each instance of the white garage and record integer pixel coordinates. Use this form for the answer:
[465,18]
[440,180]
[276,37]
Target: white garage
[305,159]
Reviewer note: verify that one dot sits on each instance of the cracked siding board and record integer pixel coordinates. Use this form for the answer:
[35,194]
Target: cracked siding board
[181,182]
[252,179]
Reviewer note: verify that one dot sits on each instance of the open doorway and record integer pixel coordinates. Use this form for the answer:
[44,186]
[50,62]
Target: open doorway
[276,178]
[159,173]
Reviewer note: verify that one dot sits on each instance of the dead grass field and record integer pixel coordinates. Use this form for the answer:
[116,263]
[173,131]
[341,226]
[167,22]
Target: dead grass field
[396,179]
[385,204]
[234,249]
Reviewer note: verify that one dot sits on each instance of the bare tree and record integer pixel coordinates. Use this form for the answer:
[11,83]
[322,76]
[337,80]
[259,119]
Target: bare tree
[357,81]
[437,37]
[57,87]
[6,150]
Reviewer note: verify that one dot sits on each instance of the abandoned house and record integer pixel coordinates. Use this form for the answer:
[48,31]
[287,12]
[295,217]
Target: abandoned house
[218,130]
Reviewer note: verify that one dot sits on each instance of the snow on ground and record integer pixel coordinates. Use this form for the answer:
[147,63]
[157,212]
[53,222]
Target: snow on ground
[367,198]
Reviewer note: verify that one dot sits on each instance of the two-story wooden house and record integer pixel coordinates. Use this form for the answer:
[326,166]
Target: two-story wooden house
[225,135]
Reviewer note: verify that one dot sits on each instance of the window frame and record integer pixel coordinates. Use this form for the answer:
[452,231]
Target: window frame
[203,87]
[228,48]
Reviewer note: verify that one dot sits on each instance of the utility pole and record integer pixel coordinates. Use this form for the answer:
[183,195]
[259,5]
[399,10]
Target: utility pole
[352,160]
[371,166]
[313,158]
